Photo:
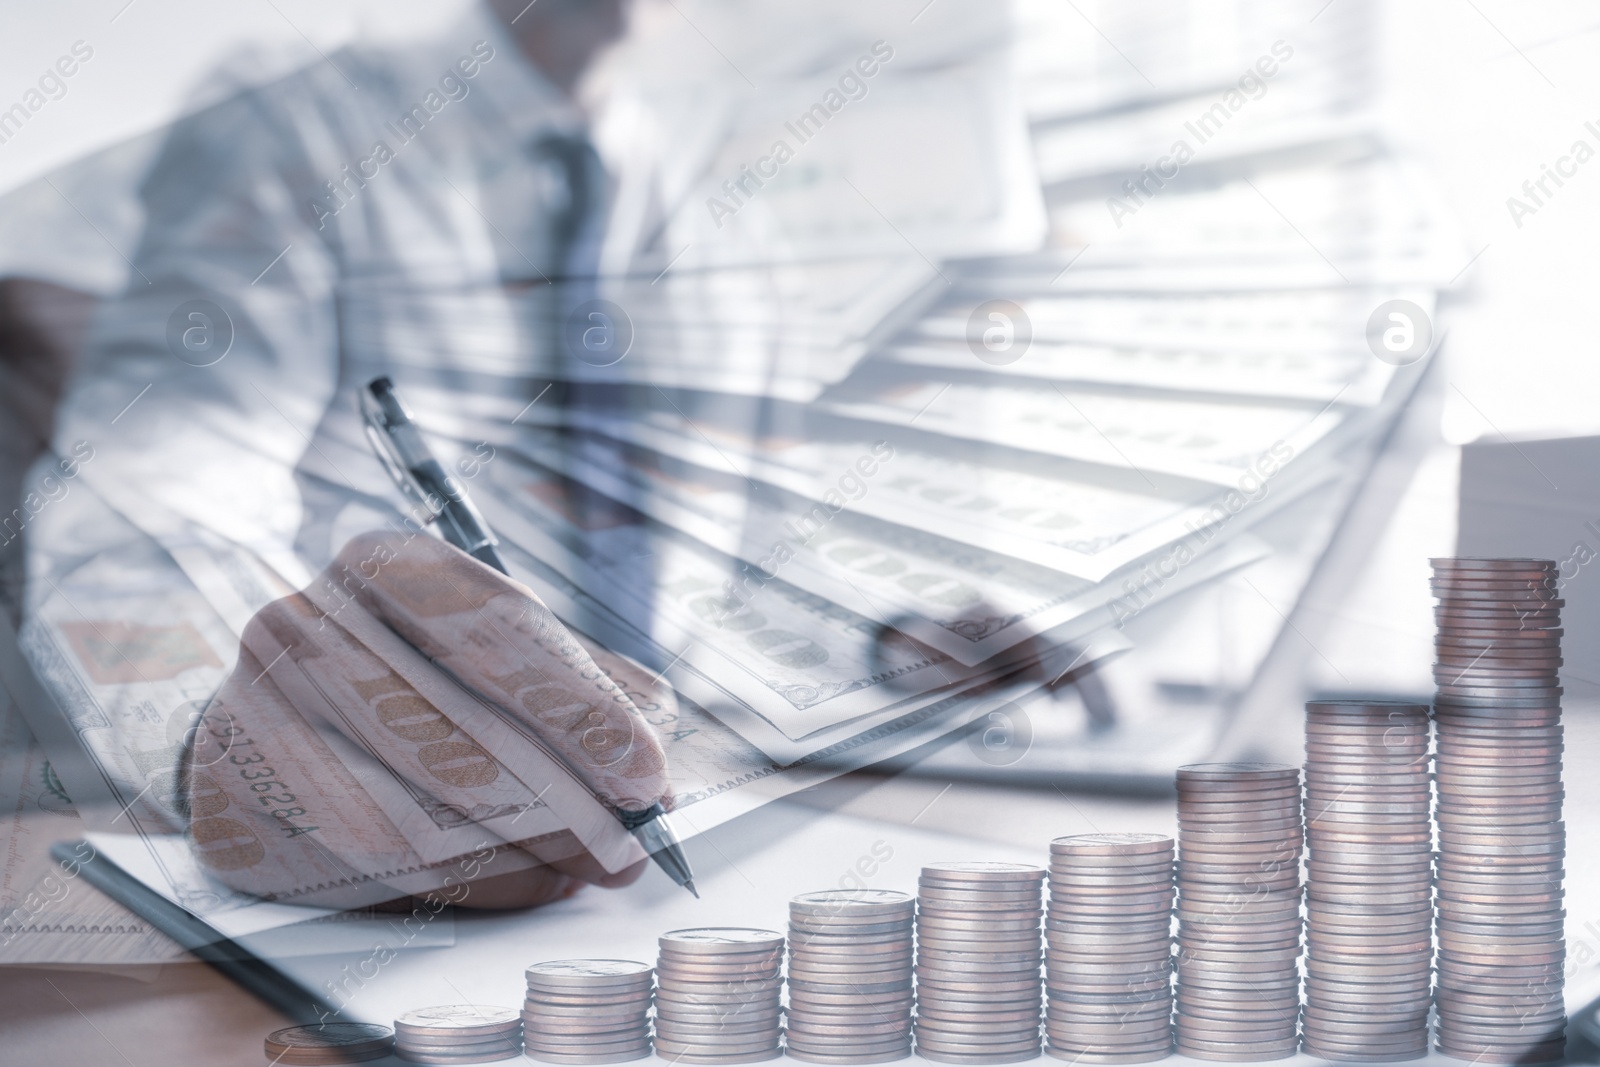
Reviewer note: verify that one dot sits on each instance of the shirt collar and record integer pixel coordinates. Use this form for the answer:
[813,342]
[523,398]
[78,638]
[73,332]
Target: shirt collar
[521,97]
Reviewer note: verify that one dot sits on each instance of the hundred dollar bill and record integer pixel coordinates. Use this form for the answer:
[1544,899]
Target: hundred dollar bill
[1323,356]
[970,604]
[1065,519]
[47,913]
[1353,375]
[731,762]
[51,915]
[1209,441]
[1318,319]
[315,835]
[420,744]
[799,661]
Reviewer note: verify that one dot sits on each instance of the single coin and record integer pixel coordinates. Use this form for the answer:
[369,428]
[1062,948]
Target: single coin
[345,1037]
[585,1059]
[588,972]
[851,902]
[983,871]
[713,941]
[1111,844]
[487,1056]
[715,1060]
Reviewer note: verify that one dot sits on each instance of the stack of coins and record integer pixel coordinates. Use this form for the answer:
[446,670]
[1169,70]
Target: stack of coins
[1369,881]
[978,962]
[587,1011]
[850,976]
[1502,843]
[458,1033]
[326,1043]
[1108,948]
[1239,844]
[717,996]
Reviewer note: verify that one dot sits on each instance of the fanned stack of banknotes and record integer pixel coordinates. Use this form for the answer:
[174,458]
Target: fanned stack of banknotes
[1035,314]
[1177,285]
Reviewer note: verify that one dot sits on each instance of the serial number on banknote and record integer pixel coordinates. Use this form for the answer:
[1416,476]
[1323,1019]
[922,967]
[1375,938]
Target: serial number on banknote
[261,779]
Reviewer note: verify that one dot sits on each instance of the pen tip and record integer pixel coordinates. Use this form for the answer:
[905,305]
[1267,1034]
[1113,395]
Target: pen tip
[689,885]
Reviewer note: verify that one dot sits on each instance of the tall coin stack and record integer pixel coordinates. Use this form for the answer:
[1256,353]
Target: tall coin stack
[978,962]
[717,995]
[850,976]
[587,1011]
[1369,881]
[1108,948]
[1239,844]
[1502,843]
[458,1033]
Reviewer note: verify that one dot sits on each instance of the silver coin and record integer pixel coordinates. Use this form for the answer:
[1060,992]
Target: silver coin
[715,1060]
[669,960]
[455,1019]
[582,1059]
[719,940]
[680,1050]
[588,971]
[629,1050]
[1111,844]
[1150,878]
[417,1056]
[460,1043]
[942,1041]
[762,1017]
[856,1045]
[811,1056]
[346,1038]
[997,922]
[840,956]
[1088,867]
[982,871]
[974,904]
[557,1003]
[862,935]
[852,903]
[1242,771]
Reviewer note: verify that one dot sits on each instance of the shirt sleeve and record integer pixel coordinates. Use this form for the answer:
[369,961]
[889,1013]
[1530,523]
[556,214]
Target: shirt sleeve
[169,502]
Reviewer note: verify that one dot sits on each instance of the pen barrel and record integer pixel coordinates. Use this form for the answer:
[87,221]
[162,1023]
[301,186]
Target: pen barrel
[459,520]
[501,642]
[420,476]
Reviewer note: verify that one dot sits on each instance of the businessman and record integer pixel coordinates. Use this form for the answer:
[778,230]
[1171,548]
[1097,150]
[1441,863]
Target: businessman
[429,211]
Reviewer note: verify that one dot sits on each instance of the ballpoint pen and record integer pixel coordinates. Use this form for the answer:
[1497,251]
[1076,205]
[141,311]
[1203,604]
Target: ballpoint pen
[424,480]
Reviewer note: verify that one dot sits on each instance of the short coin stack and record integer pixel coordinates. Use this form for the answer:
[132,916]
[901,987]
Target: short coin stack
[850,976]
[587,1011]
[1108,948]
[1239,844]
[1502,843]
[978,960]
[1369,883]
[717,995]
[458,1033]
[328,1043]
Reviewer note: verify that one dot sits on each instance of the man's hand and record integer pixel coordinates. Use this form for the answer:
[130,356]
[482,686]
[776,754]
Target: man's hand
[415,722]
